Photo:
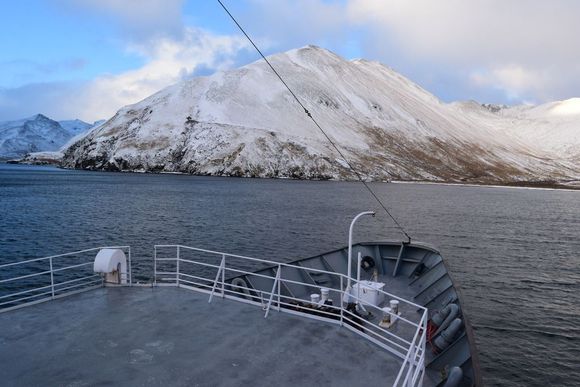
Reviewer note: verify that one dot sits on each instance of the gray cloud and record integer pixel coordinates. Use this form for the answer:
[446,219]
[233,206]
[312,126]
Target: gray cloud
[55,99]
[24,71]
[511,50]
[527,49]
[291,23]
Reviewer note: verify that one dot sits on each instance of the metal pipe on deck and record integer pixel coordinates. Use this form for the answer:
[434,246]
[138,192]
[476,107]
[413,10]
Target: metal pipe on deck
[349,268]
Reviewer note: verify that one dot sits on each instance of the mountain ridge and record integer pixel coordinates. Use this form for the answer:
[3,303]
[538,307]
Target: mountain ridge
[242,122]
[37,133]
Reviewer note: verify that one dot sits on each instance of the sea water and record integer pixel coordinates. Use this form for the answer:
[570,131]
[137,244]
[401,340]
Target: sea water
[514,252]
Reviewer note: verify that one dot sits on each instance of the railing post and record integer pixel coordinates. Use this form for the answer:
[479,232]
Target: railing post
[130,269]
[51,278]
[399,259]
[341,303]
[279,282]
[177,267]
[224,277]
[154,265]
[272,292]
[217,277]
[412,365]
[423,342]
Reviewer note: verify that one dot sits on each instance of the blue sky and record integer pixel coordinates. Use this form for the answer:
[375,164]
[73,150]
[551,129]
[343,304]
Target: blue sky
[87,58]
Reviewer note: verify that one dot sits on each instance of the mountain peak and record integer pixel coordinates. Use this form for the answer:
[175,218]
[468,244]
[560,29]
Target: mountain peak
[38,117]
[243,122]
[37,133]
[311,53]
[311,48]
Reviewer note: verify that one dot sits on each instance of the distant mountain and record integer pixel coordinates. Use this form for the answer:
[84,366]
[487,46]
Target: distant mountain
[75,127]
[37,133]
[243,122]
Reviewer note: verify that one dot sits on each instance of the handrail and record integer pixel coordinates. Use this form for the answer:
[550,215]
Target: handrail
[282,280]
[56,288]
[273,263]
[408,358]
[25,276]
[62,255]
[413,352]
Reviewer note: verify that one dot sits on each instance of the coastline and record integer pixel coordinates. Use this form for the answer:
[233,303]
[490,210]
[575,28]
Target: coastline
[548,186]
[541,185]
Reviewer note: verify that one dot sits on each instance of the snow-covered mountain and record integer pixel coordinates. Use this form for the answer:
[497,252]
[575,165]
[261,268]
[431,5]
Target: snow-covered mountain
[244,122]
[75,127]
[37,133]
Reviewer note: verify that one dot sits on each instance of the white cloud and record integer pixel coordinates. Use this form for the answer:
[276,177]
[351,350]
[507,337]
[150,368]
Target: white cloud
[167,60]
[153,30]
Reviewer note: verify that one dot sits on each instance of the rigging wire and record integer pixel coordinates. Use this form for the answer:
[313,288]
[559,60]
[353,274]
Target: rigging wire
[316,123]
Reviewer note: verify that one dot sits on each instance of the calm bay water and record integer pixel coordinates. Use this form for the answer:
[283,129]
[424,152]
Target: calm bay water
[515,252]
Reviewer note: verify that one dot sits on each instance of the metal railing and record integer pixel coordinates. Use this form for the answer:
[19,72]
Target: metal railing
[211,272]
[52,277]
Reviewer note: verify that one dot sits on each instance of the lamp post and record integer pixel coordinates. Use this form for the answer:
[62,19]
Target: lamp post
[348,289]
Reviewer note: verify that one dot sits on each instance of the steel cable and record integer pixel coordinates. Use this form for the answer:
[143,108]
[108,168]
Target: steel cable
[317,125]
